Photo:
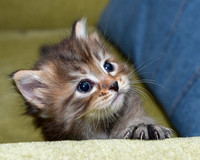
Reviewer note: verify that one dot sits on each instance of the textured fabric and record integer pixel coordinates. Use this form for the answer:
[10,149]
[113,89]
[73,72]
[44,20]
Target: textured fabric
[162,38]
[170,149]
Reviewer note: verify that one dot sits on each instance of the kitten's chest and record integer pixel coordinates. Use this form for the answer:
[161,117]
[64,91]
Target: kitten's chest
[92,131]
[99,135]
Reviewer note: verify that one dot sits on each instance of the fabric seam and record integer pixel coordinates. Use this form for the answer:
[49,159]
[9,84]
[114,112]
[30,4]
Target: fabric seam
[183,93]
[171,34]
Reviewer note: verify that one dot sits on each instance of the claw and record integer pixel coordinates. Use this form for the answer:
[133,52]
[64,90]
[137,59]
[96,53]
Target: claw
[167,135]
[127,135]
[156,135]
[142,135]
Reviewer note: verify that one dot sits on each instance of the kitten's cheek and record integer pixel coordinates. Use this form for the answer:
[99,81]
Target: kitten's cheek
[125,84]
[123,88]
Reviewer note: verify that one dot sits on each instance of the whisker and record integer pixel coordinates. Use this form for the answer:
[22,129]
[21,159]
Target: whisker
[105,44]
[143,95]
[147,63]
[148,81]
[111,115]
[103,120]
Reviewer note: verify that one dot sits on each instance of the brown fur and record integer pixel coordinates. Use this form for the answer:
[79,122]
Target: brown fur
[50,89]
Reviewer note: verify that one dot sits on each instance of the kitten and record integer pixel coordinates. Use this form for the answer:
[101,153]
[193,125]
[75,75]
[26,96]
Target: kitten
[78,90]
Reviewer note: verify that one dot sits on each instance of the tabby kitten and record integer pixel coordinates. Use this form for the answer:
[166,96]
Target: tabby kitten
[78,90]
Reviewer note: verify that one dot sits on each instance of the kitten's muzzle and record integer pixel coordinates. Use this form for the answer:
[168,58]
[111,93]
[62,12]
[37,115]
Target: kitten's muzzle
[114,86]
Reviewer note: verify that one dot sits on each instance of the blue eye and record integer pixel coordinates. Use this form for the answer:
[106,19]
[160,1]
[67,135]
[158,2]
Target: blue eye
[85,86]
[108,67]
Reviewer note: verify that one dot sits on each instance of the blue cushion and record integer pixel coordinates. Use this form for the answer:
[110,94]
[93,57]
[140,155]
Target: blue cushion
[162,38]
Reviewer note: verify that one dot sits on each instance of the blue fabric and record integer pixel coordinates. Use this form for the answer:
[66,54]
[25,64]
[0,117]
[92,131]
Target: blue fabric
[162,38]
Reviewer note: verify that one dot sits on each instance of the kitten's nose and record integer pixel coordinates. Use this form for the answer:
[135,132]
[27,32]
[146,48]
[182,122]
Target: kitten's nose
[114,86]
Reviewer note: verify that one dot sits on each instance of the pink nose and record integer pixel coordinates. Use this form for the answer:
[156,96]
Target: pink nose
[114,86]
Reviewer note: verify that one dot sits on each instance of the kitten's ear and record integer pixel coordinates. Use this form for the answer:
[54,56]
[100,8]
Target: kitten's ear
[79,29]
[32,87]
[94,36]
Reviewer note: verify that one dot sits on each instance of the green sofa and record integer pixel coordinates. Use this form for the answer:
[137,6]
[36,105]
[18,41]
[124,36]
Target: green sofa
[24,27]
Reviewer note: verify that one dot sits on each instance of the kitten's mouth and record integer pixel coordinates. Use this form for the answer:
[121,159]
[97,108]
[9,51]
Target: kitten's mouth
[110,107]
[118,98]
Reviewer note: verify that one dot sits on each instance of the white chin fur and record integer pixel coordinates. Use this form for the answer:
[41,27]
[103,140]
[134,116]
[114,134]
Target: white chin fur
[108,108]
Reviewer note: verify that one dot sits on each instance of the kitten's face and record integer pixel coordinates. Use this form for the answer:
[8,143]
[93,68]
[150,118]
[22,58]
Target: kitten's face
[76,78]
[100,83]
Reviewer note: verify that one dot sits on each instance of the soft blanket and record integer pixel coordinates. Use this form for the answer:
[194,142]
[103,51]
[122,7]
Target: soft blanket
[169,149]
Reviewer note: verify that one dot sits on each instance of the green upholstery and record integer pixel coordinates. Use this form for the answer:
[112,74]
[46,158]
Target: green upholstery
[47,14]
[24,27]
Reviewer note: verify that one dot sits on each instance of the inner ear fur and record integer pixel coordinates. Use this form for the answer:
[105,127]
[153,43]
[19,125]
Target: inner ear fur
[79,29]
[94,36]
[32,86]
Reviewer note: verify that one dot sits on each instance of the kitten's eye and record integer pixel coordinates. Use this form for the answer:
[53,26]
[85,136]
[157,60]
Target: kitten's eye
[85,86]
[108,67]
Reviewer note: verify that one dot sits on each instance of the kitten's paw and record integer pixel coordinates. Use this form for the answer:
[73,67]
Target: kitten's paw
[145,132]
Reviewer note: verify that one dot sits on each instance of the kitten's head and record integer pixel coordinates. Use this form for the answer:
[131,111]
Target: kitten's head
[75,78]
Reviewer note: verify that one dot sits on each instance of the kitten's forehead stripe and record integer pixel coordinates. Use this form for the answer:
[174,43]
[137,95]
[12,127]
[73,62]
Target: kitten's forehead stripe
[98,55]
[67,100]
[82,105]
